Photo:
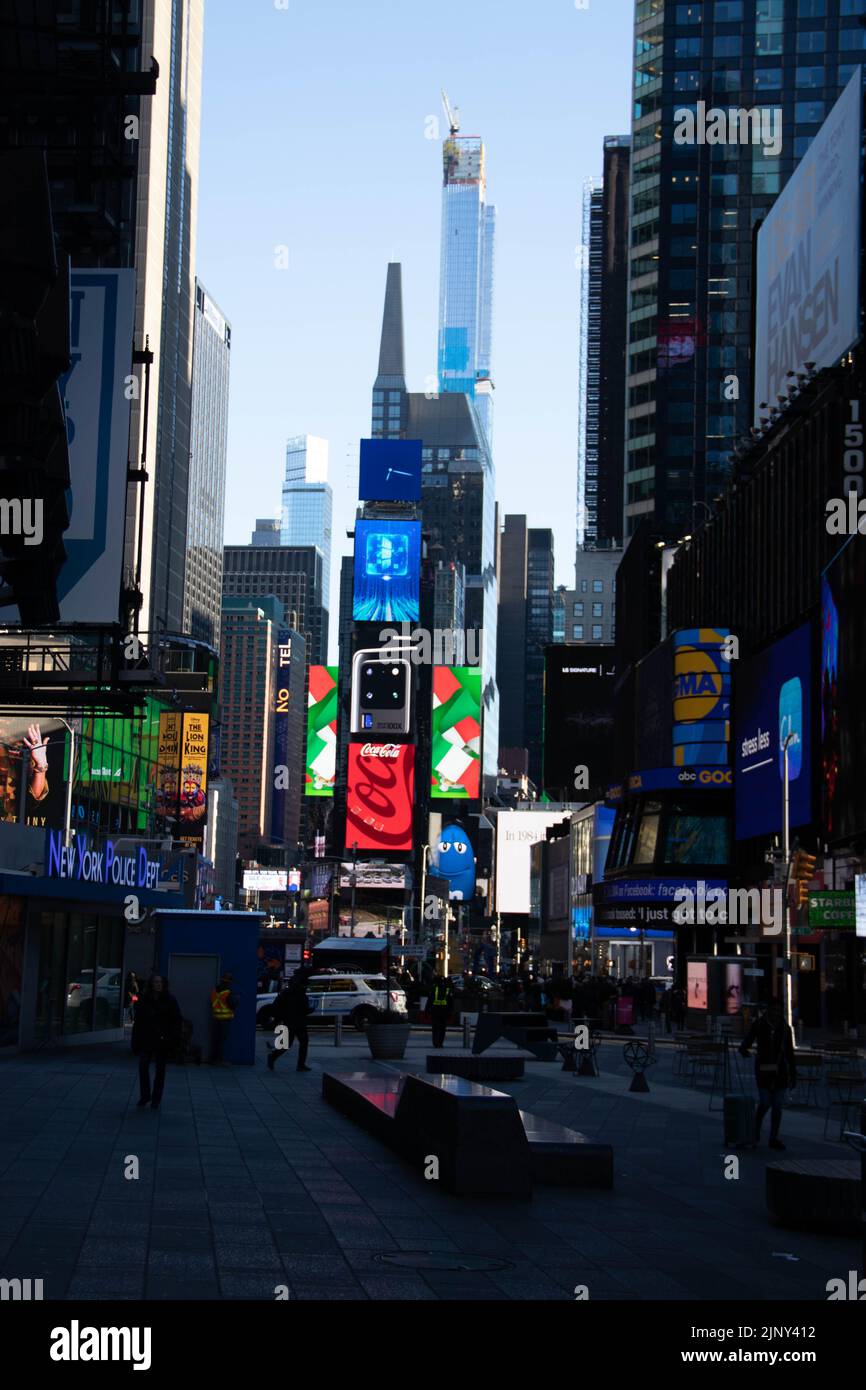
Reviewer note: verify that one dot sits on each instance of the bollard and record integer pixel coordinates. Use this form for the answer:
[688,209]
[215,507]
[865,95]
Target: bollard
[467,1033]
[338,1031]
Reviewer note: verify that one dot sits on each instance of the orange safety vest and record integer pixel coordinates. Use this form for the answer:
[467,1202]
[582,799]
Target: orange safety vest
[219,1002]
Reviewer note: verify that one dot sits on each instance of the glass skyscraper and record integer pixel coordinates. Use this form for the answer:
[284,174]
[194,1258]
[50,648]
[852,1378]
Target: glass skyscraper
[693,211]
[308,501]
[466,277]
[202,601]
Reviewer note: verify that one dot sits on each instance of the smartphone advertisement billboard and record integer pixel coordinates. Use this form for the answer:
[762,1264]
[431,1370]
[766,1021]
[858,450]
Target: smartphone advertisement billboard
[774,702]
[455,765]
[387,571]
[380,796]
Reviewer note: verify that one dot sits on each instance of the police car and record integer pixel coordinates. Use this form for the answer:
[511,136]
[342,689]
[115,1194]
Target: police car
[344,995]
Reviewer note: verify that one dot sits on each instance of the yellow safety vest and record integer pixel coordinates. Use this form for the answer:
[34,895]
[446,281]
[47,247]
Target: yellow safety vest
[436,1000]
[219,1002]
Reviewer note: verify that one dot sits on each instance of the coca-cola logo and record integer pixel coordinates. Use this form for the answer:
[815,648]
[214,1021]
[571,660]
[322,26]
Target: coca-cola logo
[380,799]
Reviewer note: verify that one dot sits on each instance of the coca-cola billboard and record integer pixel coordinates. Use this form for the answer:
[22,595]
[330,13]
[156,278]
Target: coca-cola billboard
[380,798]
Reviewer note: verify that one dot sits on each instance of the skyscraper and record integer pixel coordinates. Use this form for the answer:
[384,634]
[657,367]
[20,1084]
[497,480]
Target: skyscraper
[308,502]
[526,622]
[165,299]
[293,574]
[694,206]
[466,275]
[212,337]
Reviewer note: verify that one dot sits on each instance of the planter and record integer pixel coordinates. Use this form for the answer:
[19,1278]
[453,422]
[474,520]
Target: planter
[387,1041]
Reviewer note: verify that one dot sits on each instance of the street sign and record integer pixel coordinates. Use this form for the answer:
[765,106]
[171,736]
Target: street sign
[753,972]
[832,908]
[411,952]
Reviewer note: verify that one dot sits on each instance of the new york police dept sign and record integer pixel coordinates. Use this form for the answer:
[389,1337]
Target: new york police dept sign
[83,863]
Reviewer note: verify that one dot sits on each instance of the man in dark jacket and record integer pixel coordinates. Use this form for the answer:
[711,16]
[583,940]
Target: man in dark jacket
[439,1007]
[775,1067]
[156,1034]
[291,1011]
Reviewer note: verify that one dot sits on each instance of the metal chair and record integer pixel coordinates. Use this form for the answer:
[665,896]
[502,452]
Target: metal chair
[841,1087]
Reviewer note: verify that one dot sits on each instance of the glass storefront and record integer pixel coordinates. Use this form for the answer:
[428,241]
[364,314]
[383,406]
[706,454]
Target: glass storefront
[80,974]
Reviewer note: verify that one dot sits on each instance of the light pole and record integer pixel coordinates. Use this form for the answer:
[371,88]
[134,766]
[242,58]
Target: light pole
[354,874]
[786,855]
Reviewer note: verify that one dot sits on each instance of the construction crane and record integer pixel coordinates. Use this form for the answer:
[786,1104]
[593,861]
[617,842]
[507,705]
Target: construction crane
[452,113]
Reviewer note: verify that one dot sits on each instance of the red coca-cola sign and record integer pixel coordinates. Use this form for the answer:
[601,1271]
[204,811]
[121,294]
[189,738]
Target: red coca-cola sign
[379,803]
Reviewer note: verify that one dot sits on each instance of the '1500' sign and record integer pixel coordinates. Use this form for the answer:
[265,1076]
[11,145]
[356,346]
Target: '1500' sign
[104,865]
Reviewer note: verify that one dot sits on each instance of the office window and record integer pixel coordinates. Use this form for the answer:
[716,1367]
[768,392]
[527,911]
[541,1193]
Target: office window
[688,14]
[583,586]
[596,632]
[847,7]
[811,9]
[808,111]
[727,80]
[811,41]
[727,10]
[809,77]
[727,46]
[687,48]
[578,610]
[597,610]
[577,632]
[689,81]
[852,38]
[684,212]
[598,586]
[769,41]
[767,78]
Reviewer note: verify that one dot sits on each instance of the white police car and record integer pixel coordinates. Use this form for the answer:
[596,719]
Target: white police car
[344,995]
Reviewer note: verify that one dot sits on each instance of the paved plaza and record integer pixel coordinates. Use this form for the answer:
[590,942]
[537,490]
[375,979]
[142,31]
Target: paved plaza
[248,1181]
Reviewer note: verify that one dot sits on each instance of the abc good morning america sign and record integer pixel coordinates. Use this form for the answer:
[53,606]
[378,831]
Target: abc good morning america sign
[82,862]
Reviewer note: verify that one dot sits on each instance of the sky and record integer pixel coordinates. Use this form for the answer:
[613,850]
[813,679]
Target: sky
[316,152]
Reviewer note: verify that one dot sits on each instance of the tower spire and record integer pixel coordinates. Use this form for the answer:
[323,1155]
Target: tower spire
[392,365]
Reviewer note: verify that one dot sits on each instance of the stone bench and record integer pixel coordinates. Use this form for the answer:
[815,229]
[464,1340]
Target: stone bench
[821,1194]
[484,1144]
[476,1068]
[531,1032]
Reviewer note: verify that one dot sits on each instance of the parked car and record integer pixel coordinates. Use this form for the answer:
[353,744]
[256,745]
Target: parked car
[356,997]
[108,982]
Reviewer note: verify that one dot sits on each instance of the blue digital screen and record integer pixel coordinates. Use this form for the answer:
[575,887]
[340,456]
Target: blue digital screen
[773,701]
[387,571]
[390,470]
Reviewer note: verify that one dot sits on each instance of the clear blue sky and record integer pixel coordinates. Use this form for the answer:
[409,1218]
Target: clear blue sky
[313,137]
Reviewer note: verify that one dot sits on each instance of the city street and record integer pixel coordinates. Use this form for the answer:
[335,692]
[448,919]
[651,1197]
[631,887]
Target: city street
[248,1180]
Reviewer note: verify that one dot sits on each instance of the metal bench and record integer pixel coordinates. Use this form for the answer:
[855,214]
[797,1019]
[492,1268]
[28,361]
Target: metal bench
[817,1194]
[532,1032]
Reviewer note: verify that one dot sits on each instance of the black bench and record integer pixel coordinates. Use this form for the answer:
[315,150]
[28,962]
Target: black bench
[475,1068]
[819,1194]
[485,1145]
[531,1032]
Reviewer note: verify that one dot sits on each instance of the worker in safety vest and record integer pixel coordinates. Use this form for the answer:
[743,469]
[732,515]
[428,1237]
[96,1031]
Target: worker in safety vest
[439,1007]
[222,1006]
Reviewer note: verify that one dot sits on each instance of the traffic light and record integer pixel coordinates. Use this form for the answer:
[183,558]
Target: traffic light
[802,873]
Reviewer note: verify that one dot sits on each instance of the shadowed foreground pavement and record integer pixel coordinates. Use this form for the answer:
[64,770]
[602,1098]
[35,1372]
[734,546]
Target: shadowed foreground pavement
[248,1180]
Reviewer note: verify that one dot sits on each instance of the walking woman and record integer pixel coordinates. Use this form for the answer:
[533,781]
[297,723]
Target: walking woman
[156,1034]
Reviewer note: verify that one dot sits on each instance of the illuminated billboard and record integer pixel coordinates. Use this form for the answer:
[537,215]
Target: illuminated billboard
[516,833]
[455,763]
[380,796]
[843,692]
[702,697]
[390,470]
[578,721]
[774,700]
[452,857]
[807,299]
[387,571]
[321,732]
[33,769]
[181,790]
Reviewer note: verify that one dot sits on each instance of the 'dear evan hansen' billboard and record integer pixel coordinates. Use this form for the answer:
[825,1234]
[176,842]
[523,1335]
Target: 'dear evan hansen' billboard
[807,303]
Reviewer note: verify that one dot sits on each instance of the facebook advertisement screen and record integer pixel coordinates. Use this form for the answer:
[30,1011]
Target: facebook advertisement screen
[390,470]
[387,570]
[773,698]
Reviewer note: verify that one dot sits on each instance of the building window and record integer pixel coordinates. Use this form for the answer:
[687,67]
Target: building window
[596,632]
[577,632]
[597,586]
[809,77]
[597,610]
[583,586]
[578,610]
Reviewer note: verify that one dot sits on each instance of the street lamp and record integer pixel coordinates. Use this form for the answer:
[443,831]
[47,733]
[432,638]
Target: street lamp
[354,874]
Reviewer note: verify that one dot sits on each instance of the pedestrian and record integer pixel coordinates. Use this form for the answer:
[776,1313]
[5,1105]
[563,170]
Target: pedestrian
[131,991]
[222,1005]
[156,1034]
[775,1067]
[439,1008]
[291,1010]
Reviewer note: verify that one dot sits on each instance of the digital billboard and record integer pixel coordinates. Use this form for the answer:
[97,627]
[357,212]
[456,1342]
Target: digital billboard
[516,833]
[321,732]
[371,874]
[455,763]
[33,766]
[578,721]
[696,988]
[380,796]
[265,880]
[773,700]
[702,697]
[387,571]
[807,299]
[282,715]
[390,470]
[181,790]
[452,857]
[843,692]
